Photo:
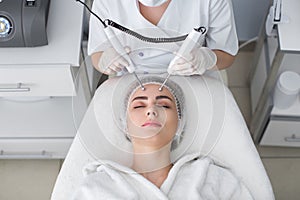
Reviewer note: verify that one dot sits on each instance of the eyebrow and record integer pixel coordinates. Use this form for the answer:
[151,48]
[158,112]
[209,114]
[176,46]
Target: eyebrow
[146,98]
[163,97]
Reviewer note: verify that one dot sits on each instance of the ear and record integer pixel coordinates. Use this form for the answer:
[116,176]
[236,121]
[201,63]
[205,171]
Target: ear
[127,135]
[176,140]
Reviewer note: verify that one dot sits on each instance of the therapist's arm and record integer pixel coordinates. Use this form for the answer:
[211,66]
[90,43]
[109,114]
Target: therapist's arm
[95,59]
[224,60]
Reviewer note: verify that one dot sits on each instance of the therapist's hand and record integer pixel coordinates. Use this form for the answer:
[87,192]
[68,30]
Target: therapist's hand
[199,60]
[111,62]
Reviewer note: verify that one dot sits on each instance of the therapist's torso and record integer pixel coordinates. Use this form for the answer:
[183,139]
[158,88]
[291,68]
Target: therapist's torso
[179,18]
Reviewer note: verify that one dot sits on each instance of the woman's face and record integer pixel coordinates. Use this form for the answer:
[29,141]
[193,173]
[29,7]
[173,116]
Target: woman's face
[152,117]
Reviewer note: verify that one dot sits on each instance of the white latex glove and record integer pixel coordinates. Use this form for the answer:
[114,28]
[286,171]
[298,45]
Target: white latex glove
[199,60]
[111,62]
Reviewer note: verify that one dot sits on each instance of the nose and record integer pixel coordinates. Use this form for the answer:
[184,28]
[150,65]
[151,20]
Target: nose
[152,112]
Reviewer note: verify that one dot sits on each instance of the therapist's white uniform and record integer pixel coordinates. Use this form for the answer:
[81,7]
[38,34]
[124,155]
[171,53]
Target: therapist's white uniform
[180,18]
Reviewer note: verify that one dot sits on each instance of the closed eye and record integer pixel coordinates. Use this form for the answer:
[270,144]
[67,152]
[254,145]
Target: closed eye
[136,107]
[164,106]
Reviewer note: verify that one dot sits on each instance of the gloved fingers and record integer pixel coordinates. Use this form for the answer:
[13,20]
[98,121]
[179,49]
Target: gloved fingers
[122,62]
[116,66]
[198,61]
[110,68]
[182,64]
[109,71]
[187,71]
[181,67]
[201,71]
[209,58]
[183,73]
[184,69]
[113,61]
[180,59]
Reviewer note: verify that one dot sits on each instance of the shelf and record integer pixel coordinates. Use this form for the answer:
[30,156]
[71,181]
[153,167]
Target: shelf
[64,32]
[289,32]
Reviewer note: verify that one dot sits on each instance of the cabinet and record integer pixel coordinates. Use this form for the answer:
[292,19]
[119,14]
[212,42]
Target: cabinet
[44,90]
[273,55]
[40,80]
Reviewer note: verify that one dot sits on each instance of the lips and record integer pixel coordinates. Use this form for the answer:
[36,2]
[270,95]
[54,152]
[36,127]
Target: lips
[151,124]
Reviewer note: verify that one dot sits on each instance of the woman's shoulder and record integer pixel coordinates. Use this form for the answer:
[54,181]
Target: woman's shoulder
[214,170]
[103,181]
[224,180]
[214,179]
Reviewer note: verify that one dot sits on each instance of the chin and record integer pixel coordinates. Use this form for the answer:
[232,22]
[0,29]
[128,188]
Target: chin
[156,141]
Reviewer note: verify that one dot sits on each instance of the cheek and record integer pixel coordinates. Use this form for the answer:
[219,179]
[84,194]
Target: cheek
[131,125]
[172,120]
[134,118]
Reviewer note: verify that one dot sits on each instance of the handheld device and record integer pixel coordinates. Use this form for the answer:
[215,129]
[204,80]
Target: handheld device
[195,37]
[116,44]
[114,41]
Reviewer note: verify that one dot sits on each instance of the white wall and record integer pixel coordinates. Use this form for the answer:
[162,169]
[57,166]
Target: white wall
[249,15]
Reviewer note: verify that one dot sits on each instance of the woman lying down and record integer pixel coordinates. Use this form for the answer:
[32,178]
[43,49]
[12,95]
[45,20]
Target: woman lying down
[154,123]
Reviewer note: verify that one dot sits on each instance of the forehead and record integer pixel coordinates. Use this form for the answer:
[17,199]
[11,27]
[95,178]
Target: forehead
[152,92]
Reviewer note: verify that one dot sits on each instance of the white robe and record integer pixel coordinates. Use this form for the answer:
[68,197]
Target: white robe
[191,177]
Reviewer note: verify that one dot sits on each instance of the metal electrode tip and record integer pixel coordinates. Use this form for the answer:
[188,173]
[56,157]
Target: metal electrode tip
[161,87]
[163,84]
[137,78]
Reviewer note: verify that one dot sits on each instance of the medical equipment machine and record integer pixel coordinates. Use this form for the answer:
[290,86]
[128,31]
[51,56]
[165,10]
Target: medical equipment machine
[193,39]
[23,23]
[213,124]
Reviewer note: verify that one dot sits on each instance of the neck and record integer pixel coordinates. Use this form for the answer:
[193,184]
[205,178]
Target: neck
[158,177]
[153,14]
[154,166]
